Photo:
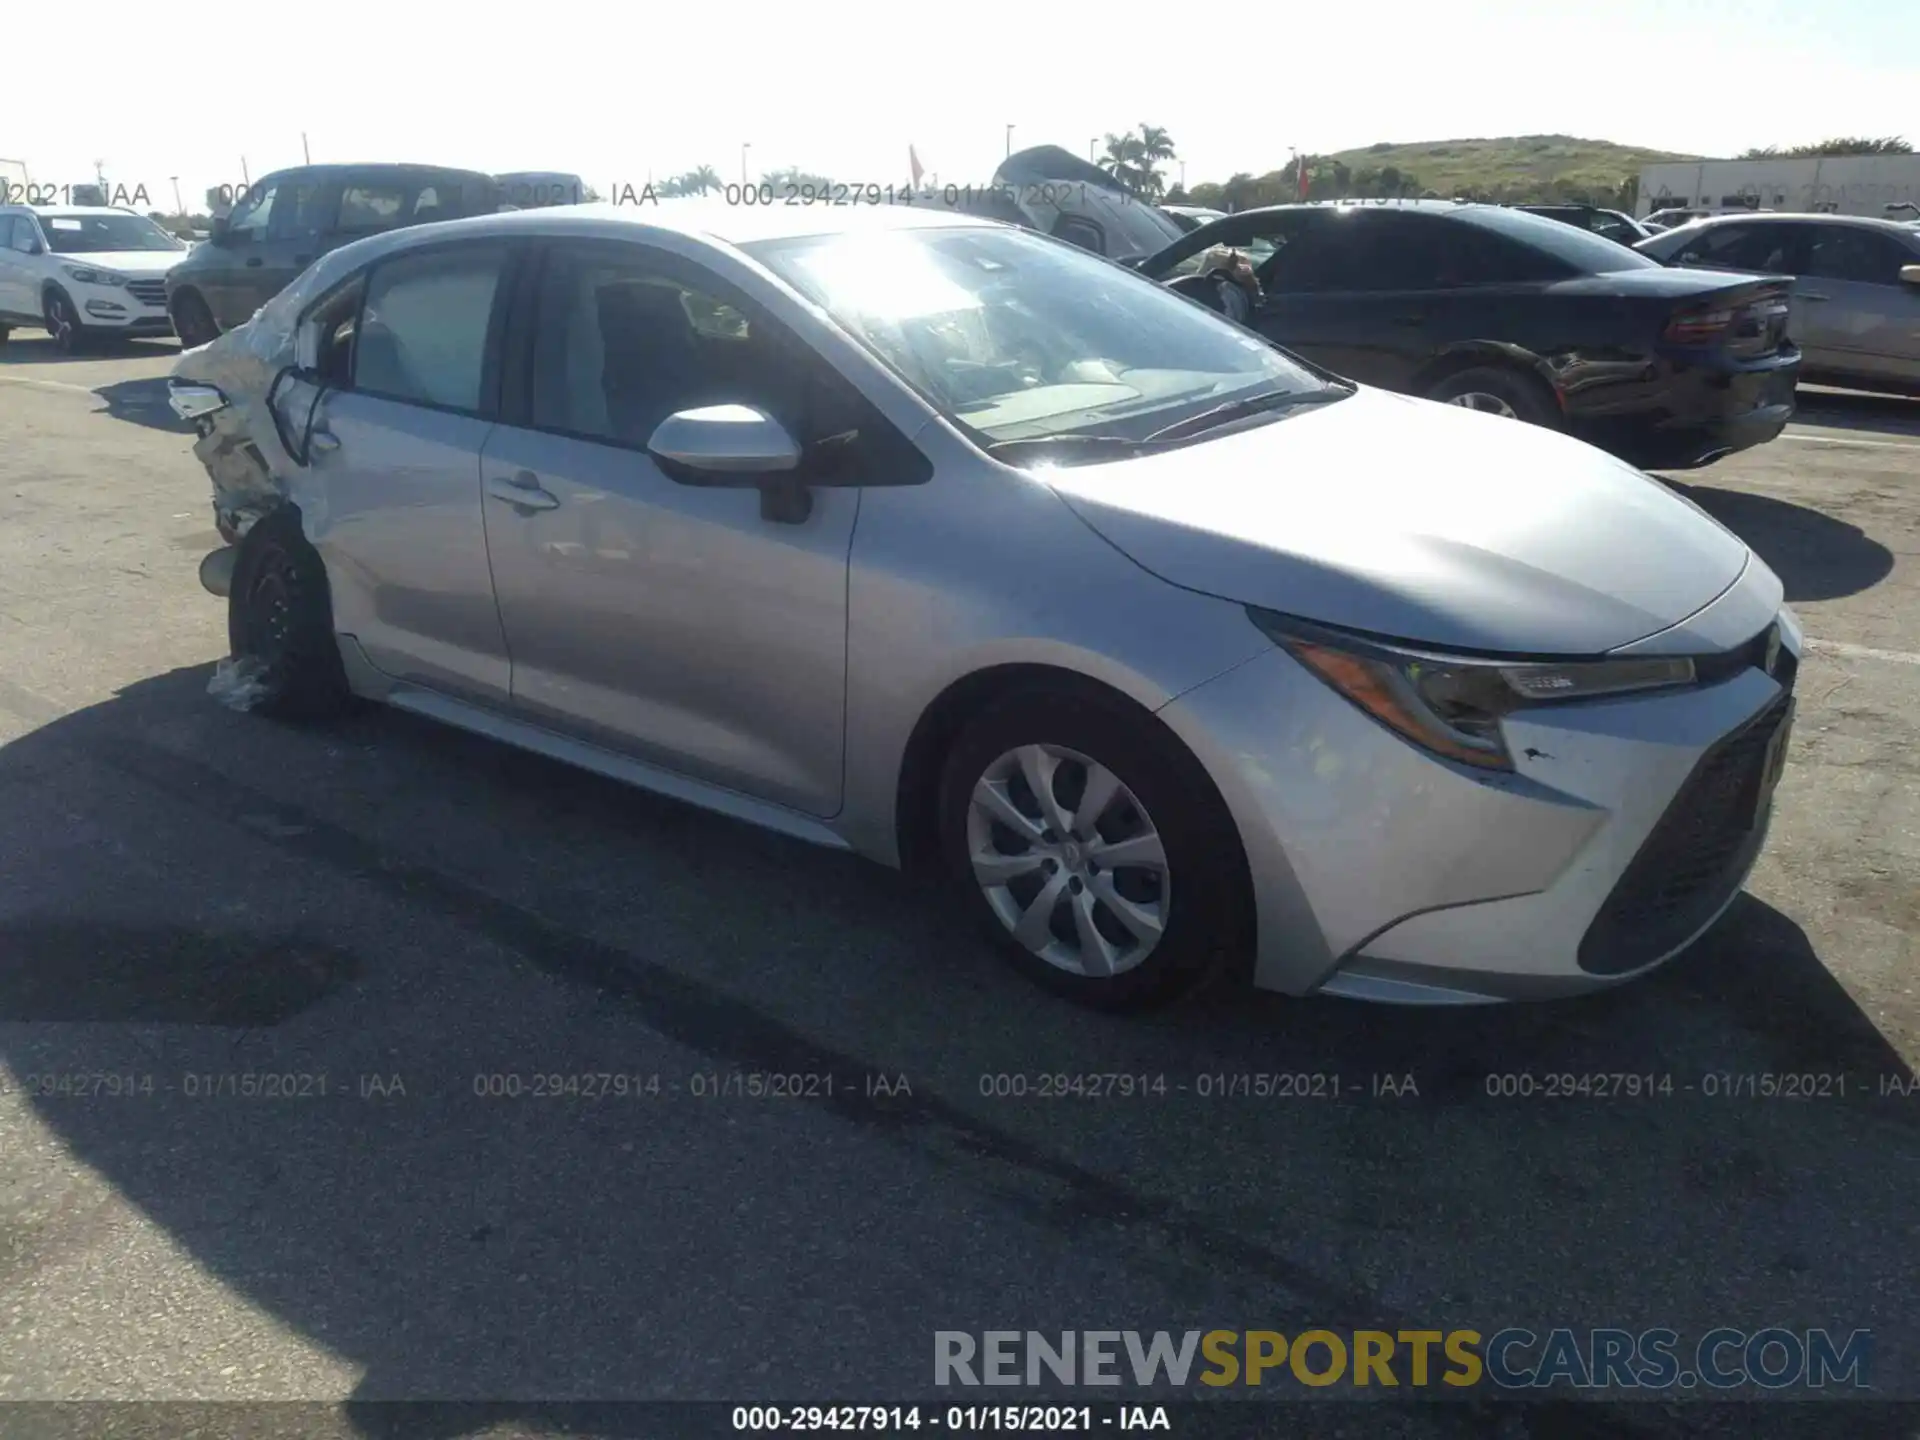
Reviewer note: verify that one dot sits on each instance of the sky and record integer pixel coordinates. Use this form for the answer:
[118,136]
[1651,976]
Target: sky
[618,92]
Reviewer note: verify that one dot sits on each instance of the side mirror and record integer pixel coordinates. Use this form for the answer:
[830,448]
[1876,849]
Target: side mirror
[219,230]
[1910,274]
[34,247]
[735,445]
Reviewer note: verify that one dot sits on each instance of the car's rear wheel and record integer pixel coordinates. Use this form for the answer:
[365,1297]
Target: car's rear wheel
[1493,390]
[192,320]
[1092,847]
[280,622]
[63,322]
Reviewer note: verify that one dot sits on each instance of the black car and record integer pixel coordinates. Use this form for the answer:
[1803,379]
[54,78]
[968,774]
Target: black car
[1494,309]
[286,219]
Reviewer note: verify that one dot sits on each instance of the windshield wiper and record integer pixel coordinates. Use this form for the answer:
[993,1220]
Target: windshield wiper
[1116,446]
[1247,405]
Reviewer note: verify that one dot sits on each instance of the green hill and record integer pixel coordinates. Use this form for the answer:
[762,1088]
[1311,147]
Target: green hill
[1511,168]
[1516,161]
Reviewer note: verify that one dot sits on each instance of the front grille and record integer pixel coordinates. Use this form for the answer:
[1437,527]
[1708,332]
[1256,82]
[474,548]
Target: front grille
[149,292]
[1686,869]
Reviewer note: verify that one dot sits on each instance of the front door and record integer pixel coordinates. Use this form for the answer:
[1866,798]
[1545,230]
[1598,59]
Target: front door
[394,458]
[668,620]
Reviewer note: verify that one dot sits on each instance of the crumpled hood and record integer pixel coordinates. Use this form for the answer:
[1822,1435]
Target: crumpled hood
[1417,521]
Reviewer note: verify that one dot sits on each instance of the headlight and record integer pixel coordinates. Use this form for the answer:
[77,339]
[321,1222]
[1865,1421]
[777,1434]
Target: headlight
[87,275]
[1453,704]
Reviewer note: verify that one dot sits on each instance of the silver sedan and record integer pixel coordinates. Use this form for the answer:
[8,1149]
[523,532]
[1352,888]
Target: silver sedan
[961,548]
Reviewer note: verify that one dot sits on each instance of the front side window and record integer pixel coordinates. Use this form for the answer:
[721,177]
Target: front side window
[422,334]
[625,340]
[252,216]
[296,209]
[1018,337]
[24,235]
[103,234]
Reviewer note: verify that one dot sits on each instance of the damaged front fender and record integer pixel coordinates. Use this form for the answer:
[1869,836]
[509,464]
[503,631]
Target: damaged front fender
[251,445]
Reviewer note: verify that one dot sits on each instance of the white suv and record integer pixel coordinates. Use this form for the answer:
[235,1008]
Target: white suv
[84,271]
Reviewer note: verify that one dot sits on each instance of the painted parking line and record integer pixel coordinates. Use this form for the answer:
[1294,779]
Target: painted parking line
[1849,440]
[33,384]
[1848,651]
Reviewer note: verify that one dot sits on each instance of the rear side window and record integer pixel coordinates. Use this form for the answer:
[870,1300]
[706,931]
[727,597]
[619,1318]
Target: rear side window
[367,206]
[1771,249]
[1570,249]
[422,334]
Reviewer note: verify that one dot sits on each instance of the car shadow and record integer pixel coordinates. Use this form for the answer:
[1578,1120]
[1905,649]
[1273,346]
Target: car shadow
[35,347]
[282,901]
[1895,415]
[1816,556]
[143,402]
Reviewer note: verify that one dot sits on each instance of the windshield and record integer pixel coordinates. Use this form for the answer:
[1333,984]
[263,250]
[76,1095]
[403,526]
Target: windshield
[1017,337]
[102,234]
[1586,252]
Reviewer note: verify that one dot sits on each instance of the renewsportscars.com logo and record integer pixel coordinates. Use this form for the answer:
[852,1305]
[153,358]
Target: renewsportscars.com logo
[1773,1358]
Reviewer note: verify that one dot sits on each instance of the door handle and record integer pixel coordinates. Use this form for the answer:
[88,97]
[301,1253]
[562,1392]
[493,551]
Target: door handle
[254,262]
[522,491]
[323,441]
[1811,295]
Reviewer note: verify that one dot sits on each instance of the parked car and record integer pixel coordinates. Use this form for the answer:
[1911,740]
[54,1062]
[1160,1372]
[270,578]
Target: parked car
[289,218]
[534,189]
[1856,291]
[1192,217]
[1493,309]
[1611,223]
[1167,649]
[84,272]
[1055,192]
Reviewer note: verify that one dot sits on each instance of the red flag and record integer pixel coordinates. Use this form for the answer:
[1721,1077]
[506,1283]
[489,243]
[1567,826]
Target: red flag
[913,160]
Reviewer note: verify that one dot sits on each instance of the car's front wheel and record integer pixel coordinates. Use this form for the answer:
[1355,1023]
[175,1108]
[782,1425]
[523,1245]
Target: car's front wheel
[280,622]
[1092,847]
[193,321]
[63,322]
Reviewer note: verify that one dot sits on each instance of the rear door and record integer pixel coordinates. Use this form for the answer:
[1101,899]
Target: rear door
[1863,320]
[397,449]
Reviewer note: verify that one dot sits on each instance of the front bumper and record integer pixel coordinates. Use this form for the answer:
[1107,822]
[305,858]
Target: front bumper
[139,308]
[1381,872]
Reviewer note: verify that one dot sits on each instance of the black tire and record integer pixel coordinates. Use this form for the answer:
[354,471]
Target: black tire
[1526,395]
[1208,903]
[63,321]
[280,617]
[192,321]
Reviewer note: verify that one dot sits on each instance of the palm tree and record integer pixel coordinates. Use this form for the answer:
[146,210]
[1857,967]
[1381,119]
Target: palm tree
[701,179]
[1122,157]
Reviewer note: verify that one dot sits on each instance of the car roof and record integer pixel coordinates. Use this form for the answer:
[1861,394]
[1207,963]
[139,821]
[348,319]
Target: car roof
[66,210]
[709,218]
[1865,222]
[394,169]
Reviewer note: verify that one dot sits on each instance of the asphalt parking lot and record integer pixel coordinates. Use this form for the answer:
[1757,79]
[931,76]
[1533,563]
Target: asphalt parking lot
[404,919]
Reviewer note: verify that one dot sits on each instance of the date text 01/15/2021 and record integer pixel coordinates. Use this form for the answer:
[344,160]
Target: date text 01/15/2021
[838,192]
[963,1419]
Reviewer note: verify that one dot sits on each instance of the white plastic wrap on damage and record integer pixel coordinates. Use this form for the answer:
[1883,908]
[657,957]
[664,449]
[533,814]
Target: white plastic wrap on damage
[243,364]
